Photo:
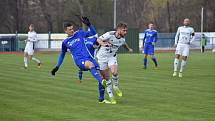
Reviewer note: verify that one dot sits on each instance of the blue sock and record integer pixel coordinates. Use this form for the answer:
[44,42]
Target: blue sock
[80,75]
[155,61]
[101,92]
[145,62]
[99,79]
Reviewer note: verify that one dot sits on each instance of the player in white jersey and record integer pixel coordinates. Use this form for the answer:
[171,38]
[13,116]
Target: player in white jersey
[183,38]
[107,56]
[29,47]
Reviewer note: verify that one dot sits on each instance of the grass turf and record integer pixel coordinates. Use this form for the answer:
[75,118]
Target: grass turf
[148,95]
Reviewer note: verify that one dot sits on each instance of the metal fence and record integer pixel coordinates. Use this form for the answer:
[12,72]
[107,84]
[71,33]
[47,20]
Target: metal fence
[50,42]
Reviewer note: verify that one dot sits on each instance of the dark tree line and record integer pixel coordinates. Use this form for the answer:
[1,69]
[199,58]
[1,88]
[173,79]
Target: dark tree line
[49,15]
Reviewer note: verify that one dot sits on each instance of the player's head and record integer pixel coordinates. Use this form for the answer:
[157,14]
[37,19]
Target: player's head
[122,29]
[68,29]
[151,25]
[186,22]
[31,27]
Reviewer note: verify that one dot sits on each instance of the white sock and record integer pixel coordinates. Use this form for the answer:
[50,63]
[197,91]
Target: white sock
[183,63]
[176,64]
[26,61]
[115,81]
[109,88]
[36,60]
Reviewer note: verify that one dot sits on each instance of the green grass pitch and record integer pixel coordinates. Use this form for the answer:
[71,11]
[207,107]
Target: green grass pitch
[148,95]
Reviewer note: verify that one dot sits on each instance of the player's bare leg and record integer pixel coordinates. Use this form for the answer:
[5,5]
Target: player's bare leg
[176,63]
[115,78]
[25,60]
[32,57]
[183,63]
[154,60]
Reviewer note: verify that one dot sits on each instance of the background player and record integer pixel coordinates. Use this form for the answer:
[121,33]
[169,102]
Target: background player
[183,38]
[29,47]
[149,40]
[107,56]
[203,43]
[75,42]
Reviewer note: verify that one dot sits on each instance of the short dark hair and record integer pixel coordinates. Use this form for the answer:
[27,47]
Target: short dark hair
[65,25]
[150,22]
[32,25]
[121,25]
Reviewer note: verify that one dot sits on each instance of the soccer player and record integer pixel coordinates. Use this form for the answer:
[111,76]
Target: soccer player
[107,57]
[91,43]
[203,43]
[149,40]
[183,38]
[75,43]
[29,47]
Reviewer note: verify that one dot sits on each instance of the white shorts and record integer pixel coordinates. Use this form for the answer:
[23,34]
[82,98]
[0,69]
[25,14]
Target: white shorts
[182,49]
[29,50]
[109,62]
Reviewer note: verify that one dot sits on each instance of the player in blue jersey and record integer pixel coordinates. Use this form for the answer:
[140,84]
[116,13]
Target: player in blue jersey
[75,43]
[150,38]
[92,44]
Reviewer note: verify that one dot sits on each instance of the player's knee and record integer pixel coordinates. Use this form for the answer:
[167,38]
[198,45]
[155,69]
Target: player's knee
[89,65]
[184,58]
[177,56]
[152,56]
[115,73]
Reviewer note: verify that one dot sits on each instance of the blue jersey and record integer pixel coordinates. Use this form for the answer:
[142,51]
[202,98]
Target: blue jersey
[76,45]
[90,42]
[150,36]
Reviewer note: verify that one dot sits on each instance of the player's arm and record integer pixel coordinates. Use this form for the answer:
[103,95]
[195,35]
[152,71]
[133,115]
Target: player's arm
[125,45]
[155,38]
[144,38]
[192,36]
[33,38]
[60,59]
[92,29]
[177,37]
[102,40]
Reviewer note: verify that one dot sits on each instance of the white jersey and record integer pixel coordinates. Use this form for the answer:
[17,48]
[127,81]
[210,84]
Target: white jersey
[106,52]
[184,35]
[32,37]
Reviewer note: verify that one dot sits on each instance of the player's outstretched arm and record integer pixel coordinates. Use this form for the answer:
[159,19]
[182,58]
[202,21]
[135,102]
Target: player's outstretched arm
[60,59]
[128,48]
[177,37]
[103,43]
[92,29]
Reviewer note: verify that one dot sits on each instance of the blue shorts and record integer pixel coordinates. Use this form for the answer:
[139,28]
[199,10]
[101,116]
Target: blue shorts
[148,49]
[81,61]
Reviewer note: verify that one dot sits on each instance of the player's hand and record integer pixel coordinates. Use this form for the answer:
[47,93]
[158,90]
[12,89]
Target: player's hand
[106,44]
[54,70]
[153,43]
[85,20]
[130,50]
[175,45]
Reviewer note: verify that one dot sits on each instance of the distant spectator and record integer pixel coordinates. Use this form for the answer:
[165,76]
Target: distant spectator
[203,43]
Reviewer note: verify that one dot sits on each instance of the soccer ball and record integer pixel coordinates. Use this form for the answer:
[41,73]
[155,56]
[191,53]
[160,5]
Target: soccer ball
[213,50]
